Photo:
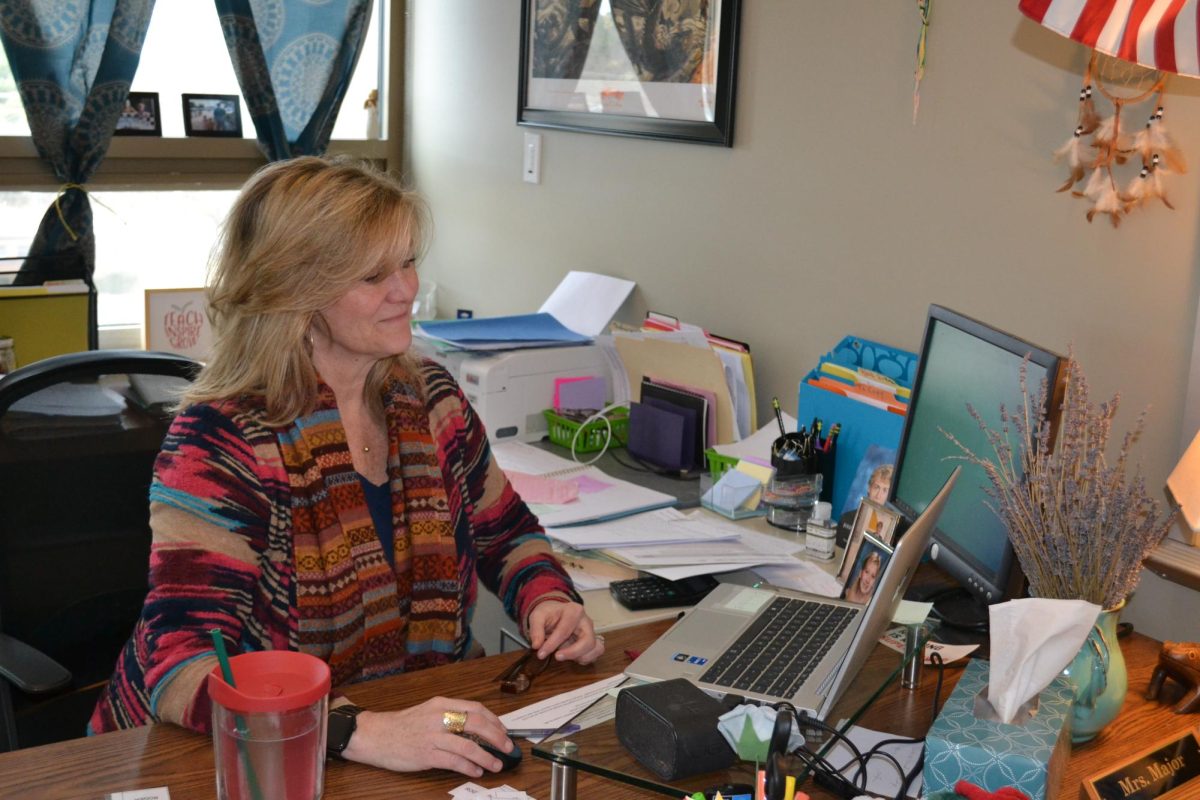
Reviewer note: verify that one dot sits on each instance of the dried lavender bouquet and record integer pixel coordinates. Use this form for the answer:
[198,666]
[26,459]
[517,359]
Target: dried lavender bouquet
[1080,526]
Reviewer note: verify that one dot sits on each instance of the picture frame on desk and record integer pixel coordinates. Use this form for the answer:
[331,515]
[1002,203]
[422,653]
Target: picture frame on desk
[600,74]
[872,558]
[874,519]
[177,321]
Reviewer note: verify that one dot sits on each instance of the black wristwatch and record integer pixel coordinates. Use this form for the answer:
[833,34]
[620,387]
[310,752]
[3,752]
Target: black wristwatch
[342,724]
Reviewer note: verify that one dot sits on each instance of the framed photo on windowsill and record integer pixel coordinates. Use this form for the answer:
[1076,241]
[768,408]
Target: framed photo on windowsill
[663,69]
[212,115]
[142,116]
[177,322]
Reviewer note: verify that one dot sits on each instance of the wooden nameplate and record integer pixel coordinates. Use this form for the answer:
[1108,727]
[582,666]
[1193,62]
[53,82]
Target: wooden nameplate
[1169,770]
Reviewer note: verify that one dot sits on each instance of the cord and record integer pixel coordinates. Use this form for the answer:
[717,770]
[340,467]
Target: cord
[833,779]
[642,466]
[602,414]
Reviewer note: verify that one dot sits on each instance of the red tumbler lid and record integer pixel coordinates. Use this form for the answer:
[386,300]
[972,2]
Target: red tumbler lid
[270,680]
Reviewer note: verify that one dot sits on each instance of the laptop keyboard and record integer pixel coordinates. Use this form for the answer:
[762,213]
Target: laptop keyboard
[781,648]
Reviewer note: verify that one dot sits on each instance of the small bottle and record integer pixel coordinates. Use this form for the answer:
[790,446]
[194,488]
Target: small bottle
[820,533]
[8,356]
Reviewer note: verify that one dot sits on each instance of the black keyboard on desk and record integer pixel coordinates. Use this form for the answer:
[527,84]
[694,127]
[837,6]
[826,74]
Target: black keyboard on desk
[781,648]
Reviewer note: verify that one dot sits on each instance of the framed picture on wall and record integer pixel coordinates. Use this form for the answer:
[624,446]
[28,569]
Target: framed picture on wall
[212,115]
[663,69]
[177,322]
[141,116]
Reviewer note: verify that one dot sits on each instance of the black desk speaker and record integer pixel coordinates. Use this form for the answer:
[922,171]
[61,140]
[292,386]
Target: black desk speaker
[671,729]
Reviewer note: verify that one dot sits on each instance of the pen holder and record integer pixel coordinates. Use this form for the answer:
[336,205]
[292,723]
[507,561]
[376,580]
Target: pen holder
[792,454]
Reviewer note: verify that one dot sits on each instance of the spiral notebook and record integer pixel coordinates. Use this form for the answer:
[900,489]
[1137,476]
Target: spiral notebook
[601,496]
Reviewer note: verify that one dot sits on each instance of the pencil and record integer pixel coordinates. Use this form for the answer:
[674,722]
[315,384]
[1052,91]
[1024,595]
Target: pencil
[778,416]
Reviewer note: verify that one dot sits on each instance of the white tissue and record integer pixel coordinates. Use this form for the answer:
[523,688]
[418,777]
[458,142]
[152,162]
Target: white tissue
[1032,641]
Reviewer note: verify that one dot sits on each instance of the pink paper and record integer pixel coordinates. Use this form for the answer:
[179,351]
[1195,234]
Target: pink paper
[588,485]
[538,489]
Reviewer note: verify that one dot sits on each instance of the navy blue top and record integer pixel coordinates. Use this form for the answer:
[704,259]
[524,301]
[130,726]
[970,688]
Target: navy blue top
[379,503]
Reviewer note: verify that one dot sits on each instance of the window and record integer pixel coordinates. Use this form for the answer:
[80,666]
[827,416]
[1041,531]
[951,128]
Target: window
[184,51]
[157,204]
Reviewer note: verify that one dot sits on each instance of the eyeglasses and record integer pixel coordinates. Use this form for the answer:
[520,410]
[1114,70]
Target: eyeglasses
[519,677]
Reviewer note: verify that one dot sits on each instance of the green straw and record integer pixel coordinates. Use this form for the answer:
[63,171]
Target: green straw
[239,723]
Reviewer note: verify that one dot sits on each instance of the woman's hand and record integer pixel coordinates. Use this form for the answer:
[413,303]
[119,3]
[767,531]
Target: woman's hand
[416,739]
[564,629]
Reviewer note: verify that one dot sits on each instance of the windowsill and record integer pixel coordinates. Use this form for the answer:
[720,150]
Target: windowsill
[141,161]
[120,337]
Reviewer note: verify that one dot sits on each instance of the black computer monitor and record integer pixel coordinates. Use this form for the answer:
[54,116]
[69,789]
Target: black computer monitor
[963,362]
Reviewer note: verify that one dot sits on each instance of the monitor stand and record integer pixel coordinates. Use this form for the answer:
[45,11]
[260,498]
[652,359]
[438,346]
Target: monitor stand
[960,617]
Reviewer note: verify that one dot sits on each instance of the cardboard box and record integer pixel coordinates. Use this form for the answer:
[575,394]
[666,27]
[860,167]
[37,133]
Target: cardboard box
[965,745]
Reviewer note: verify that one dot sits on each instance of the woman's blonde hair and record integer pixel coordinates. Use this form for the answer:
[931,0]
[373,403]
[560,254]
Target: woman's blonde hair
[300,235]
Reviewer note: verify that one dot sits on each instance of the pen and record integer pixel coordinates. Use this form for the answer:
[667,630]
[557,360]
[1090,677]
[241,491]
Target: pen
[778,416]
[537,733]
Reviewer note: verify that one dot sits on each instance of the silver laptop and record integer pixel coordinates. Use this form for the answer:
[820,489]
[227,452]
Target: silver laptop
[774,644]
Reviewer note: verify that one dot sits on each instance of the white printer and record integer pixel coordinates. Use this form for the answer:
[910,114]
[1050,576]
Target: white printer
[510,389]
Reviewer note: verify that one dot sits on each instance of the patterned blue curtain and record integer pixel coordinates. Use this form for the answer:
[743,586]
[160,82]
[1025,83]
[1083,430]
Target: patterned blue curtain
[73,61]
[293,60]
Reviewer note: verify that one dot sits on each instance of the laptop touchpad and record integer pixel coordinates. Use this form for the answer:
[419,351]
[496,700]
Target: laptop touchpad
[712,627]
[706,631]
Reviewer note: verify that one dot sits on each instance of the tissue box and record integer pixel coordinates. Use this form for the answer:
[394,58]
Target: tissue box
[1030,756]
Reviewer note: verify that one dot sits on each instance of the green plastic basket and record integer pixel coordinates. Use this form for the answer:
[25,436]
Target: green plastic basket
[718,464]
[595,433]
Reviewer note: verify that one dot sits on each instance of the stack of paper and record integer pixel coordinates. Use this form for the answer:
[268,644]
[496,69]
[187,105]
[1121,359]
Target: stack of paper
[600,496]
[66,408]
[664,526]
[675,545]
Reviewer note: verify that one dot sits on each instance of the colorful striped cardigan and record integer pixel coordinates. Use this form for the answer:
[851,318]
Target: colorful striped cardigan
[224,554]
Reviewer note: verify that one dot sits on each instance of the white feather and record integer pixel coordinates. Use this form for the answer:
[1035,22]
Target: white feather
[1097,183]
[1139,188]
[1108,202]
[1073,151]
[1143,141]
[1104,133]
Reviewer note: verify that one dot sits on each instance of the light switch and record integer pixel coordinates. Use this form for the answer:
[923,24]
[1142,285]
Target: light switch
[533,158]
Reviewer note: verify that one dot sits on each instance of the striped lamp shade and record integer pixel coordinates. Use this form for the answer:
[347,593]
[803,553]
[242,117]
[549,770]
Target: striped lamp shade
[1157,34]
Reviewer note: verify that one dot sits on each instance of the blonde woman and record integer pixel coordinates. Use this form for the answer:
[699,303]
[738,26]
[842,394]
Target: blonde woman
[323,491]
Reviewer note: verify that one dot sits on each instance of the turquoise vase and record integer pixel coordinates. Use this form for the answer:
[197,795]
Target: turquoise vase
[1100,678]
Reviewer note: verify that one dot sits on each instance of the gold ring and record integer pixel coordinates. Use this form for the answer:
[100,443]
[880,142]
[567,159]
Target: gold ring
[454,721]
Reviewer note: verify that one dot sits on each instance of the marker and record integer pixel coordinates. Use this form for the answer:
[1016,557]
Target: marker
[538,733]
[778,416]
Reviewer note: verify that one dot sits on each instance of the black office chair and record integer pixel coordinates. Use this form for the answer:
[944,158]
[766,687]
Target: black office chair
[78,437]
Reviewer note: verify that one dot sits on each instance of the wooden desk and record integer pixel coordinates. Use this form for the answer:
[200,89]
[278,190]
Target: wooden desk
[165,755]
[159,755]
[1140,724]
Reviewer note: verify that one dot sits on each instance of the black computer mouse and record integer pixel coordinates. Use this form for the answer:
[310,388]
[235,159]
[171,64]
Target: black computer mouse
[507,760]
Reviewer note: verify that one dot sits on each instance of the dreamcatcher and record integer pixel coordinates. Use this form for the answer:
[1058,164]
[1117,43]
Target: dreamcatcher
[1117,162]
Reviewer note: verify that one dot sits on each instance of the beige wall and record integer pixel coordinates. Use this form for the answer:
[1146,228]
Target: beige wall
[832,213]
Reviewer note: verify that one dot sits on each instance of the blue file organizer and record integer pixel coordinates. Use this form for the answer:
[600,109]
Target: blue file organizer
[862,425]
